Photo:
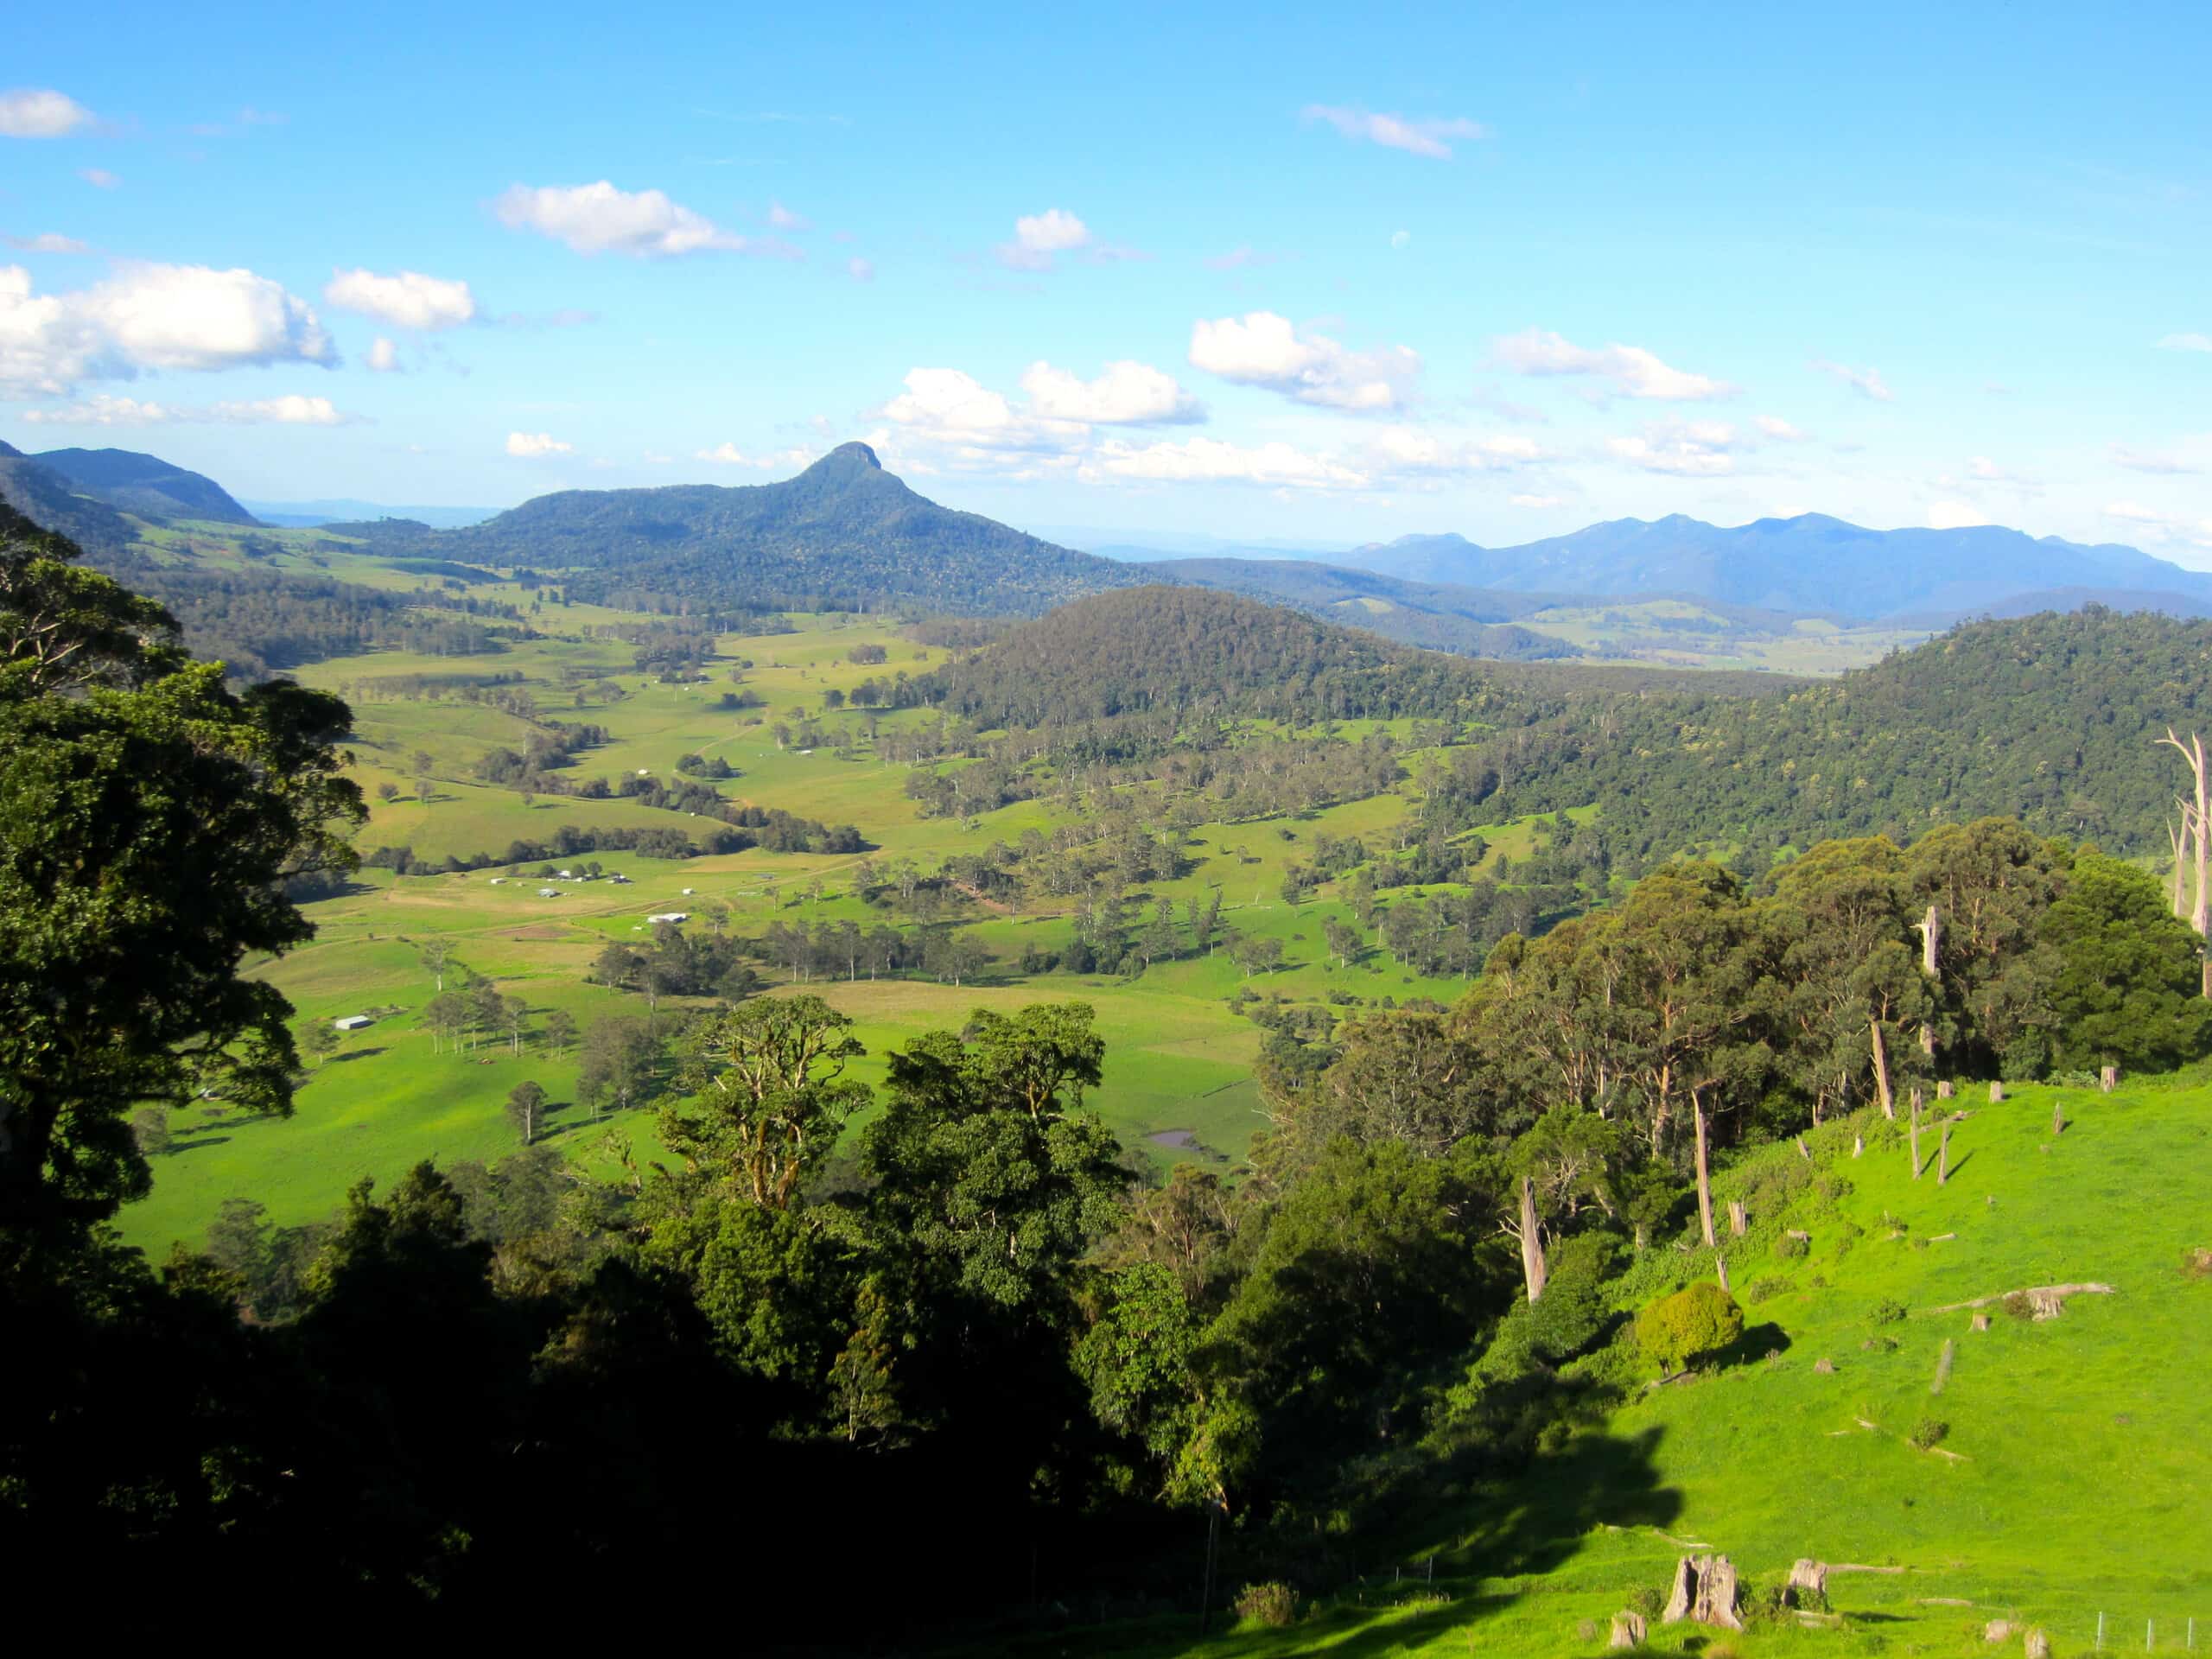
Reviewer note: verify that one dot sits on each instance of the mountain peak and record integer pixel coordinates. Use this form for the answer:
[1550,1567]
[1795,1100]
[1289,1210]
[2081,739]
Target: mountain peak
[848,457]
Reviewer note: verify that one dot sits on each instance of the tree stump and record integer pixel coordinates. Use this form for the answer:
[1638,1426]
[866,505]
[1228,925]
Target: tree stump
[1996,1093]
[1857,1145]
[1824,1366]
[1628,1630]
[1704,1592]
[2058,1119]
[2108,1078]
[1980,1322]
[2037,1645]
[1943,1090]
[1997,1630]
[1736,1221]
[1720,1266]
[1810,1575]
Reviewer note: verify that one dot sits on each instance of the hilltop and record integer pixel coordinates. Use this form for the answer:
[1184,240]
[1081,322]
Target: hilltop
[146,484]
[844,532]
[1808,564]
[52,502]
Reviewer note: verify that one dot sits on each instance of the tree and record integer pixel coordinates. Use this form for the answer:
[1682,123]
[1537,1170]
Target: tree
[616,966]
[150,816]
[2128,991]
[770,1096]
[526,1109]
[618,1058]
[446,1015]
[424,789]
[560,1028]
[436,954]
[1342,939]
[387,791]
[1688,1326]
[319,1038]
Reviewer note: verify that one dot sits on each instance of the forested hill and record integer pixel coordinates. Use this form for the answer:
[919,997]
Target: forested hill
[2051,718]
[843,534]
[1195,653]
[146,484]
[51,501]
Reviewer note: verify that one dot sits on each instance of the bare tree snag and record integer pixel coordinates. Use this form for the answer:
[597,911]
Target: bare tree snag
[2177,839]
[1915,1139]
[1944,1156]
[1532,1242]
[1882,1071]
[1996,1093]
[1704,1172]
[1736,1219]
[1804,1151]
[2107,1079]
[1931,944]
[2200,829]
[1721,1272]
[1857,1145]
[2058,1119]
[1943,1089]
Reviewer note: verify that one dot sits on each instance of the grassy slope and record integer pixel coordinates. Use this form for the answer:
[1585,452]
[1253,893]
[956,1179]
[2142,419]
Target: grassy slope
[2085,1443]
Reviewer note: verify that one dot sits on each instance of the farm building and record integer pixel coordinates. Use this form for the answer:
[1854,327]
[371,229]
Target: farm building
[671,916]
[548,893]
[352,1022]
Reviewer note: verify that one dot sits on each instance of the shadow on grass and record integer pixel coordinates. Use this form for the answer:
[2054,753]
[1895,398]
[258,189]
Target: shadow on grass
[175,1146]
[351,1054]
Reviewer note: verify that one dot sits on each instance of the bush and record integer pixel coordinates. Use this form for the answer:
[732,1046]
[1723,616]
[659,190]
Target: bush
[1765,1290]
[1274,1603]
[1790,1247]
[1646,1600]
[2017,1306]
[1690,1323]
[2197,1262]
[1928,1434]
[1886,1311]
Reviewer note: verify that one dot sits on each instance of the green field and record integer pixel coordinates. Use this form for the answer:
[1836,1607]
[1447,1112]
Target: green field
[2079,1456]
[1179,1057]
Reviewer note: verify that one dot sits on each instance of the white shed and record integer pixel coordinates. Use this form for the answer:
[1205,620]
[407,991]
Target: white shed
[671,916]
[353,1022]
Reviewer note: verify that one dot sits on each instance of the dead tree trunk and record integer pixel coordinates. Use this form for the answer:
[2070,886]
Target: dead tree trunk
[1882,1068]
[1931,944]
[1704,1173]
[2058,1119]
[1944,1156]
[1532,1244]
[1720,1271]
[1737,1220]
[2179,840]
[1915,1139]
[2200,827]
[2107,1079]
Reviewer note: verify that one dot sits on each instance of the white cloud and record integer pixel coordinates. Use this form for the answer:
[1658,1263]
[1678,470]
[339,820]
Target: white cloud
[1773,426]
[599,218]
[2190,455]
[728,455]
[534,446]
[2163,526]
[1683,448]
[40,113]
[1409,450]
[148,316]
[384,356]
[1867,383]
[1263,349]
[291,410]
[2191,342]
[1039,237]
[1127,394]
[1401,240]
[1631,371]
[1209,460]
[49,242]
[407,300]
[1954,515]
[860,269]
[781,218]
[100,178]
[948,410]
[1423,136]
[1984,470]
[1536,501]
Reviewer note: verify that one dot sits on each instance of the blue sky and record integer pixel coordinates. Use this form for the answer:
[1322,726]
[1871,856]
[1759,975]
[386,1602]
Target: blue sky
[1312,274]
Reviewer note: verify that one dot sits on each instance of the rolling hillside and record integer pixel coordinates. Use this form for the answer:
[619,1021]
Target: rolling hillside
[146,484]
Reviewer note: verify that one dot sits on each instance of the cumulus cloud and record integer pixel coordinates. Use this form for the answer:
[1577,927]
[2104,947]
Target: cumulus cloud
[536,446]
[1631,371]
[860,269]
[1409,451]
[950,409]
[1683,448]
[291,410]
[1039,237]
[1209,460]
[100,178]
[406,299]
[1867,383]
[1127,394]
[728,455]
[49,242]
[594,218]
[1954,515]
[781,218]
[1774,427]
[2191,342]
[384,356]
[40,113]
[149,317]
[1263,349]
[1426,136]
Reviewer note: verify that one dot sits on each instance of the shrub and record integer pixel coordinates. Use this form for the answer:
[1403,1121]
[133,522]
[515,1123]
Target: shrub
[1886,1311]
[1675,1330]
[1762,1290]
[1928,1434]
[2017,1306]
[2197,1262]
[1274,1603]
[1790,1247]
[1646,1600]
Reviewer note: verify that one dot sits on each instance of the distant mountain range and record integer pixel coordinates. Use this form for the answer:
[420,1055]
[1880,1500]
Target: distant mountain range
[1811,564]
[313,515]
